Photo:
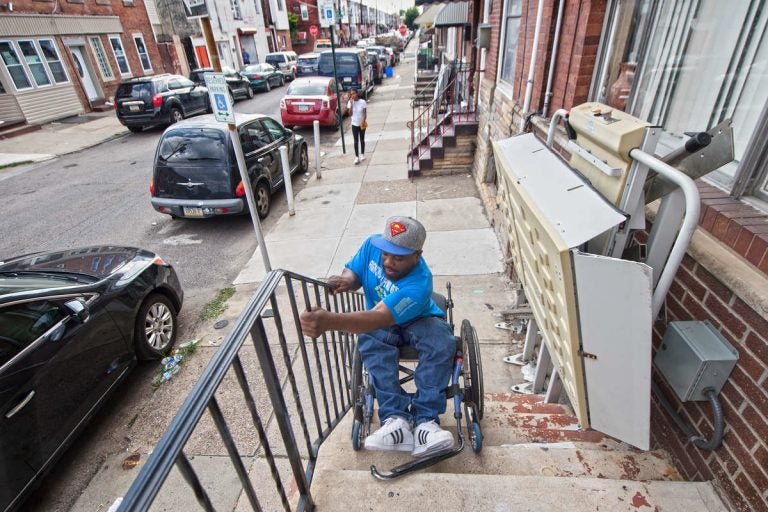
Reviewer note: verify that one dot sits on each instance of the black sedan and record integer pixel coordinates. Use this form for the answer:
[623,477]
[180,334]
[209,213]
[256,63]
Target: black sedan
[239,86]
[72,325]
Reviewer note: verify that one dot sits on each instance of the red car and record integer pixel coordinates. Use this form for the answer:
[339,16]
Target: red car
[312,98]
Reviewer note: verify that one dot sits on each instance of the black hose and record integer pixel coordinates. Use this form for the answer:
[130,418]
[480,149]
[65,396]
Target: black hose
[698,440]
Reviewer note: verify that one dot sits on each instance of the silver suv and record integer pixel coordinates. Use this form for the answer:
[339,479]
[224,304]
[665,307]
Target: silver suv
[285,62]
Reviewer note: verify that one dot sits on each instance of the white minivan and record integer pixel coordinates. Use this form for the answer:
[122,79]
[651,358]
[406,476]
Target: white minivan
[285,62]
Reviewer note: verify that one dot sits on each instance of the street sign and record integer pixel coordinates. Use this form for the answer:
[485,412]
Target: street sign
[195,9]
[221,101]
[313,30]
[403,30]
[326,14]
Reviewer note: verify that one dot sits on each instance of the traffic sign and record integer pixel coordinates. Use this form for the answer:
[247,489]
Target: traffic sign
[403,30]
[326,14]
[218,94]
[313,30]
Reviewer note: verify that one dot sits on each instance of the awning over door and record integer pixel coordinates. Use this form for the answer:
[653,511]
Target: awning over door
[427,18]
[453,15]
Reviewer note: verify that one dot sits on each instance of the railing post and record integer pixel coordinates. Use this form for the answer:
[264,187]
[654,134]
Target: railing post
[316,130]
[287,178]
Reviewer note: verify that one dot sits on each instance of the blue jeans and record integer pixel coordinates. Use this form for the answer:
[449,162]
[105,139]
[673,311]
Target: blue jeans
[434,341]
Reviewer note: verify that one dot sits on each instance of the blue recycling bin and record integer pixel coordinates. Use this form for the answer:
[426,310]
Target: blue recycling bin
[388,72]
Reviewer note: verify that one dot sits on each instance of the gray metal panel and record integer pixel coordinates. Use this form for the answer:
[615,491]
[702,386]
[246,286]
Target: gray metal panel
[693,357]
[453,15]
[576,211]
[614,298]
[18,25]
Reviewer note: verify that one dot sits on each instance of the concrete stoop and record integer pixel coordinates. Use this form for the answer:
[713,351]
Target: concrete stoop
[534,457]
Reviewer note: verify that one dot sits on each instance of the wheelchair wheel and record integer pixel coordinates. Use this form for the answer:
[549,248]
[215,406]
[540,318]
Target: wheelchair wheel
[473,376]
[358,401]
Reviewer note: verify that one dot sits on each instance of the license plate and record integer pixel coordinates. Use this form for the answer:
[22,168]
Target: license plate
[347,78]
[133,108]
[193,212]
[303,108]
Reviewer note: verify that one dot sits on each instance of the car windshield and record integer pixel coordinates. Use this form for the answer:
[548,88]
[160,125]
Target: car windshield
[22,281]
[137,90]
[346,64]
[307,89]
[308,61]
[193,144]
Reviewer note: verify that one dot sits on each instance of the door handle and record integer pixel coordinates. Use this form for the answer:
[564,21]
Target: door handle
[20,405]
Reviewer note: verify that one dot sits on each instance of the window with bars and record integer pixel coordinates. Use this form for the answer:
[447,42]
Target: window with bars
[101,58]
[119,53]
[14,66]
[688,65]
[513,10]
[141,49]
[236,12]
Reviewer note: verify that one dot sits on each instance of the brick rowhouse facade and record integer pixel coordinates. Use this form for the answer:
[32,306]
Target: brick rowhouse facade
[723,279]
[306,45]
[133,18]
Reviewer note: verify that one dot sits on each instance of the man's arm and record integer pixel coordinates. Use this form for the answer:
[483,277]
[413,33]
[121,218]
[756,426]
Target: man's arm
[347,281]
[316,322]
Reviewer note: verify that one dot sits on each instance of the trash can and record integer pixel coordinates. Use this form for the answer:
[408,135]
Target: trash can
[388,72]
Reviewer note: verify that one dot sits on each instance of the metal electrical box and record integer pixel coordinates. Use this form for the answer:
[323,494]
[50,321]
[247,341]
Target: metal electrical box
[694,356]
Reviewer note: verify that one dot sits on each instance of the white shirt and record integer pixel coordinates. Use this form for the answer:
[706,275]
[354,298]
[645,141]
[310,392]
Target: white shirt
[358,111]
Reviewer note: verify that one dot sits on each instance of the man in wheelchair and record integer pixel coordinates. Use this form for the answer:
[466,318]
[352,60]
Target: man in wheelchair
[397,284]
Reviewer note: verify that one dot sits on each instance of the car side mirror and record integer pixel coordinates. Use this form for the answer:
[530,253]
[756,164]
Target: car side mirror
[78,309]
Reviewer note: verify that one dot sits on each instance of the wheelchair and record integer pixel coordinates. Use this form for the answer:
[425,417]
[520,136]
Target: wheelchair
[465,387]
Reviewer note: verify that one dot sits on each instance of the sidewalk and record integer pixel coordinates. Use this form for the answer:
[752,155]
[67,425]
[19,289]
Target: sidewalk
[60,138]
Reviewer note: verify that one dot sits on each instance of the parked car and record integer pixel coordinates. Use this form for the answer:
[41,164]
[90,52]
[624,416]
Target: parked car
[73,324]
[352,69]
[382,53]
[238,84]
[376,65]
[263,76]
[285,62]
[159,99]
[195,172]
[310,99]
[322,44]
[307,64]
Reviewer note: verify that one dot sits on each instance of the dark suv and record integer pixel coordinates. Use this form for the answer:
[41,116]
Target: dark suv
[157,100]
[238,84]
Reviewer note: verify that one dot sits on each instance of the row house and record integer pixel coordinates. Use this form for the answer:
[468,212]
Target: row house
[685,66]
[64,57]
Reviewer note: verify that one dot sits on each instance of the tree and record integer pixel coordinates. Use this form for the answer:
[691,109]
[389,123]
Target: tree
[410,15]
[293,24]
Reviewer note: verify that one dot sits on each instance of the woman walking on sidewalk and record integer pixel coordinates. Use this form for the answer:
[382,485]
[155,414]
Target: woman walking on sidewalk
[359,108]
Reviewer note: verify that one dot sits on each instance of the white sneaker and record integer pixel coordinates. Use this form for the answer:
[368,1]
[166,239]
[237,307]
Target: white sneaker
[357,160]
[394,435]
[430,438]
[362,157]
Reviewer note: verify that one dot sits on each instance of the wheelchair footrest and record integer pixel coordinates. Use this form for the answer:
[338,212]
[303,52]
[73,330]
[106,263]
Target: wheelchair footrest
[417,464]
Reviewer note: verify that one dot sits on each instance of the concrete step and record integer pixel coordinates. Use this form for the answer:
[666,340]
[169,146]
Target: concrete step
[335,489]
[523,459]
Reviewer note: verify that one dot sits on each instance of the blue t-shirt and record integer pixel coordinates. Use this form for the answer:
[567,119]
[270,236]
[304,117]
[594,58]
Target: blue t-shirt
[408,298]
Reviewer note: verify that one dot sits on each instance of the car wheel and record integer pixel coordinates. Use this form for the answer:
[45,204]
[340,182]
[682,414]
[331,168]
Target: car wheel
[176,115]
[156,327]
[282,80]
[268,87]
[304,160]
[250,92]
[262,199]
[135,129]
[231,96]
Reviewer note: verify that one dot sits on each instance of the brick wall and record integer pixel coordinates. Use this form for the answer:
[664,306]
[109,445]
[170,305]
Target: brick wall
[492,55]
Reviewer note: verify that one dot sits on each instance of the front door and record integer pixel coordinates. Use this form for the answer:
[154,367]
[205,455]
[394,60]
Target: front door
[83,73]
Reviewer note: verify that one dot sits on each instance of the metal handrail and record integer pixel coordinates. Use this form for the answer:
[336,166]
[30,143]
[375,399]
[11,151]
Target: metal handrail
[421,91]
[428,125]
[324,365]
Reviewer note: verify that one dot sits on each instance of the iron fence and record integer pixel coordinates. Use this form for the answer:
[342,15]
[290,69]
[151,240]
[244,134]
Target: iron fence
[295,402]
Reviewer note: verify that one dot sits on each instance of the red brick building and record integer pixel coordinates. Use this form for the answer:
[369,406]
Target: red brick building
[64,58]
[684,70]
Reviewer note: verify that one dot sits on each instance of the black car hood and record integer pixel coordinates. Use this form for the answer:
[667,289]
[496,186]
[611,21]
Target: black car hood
[98,261]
